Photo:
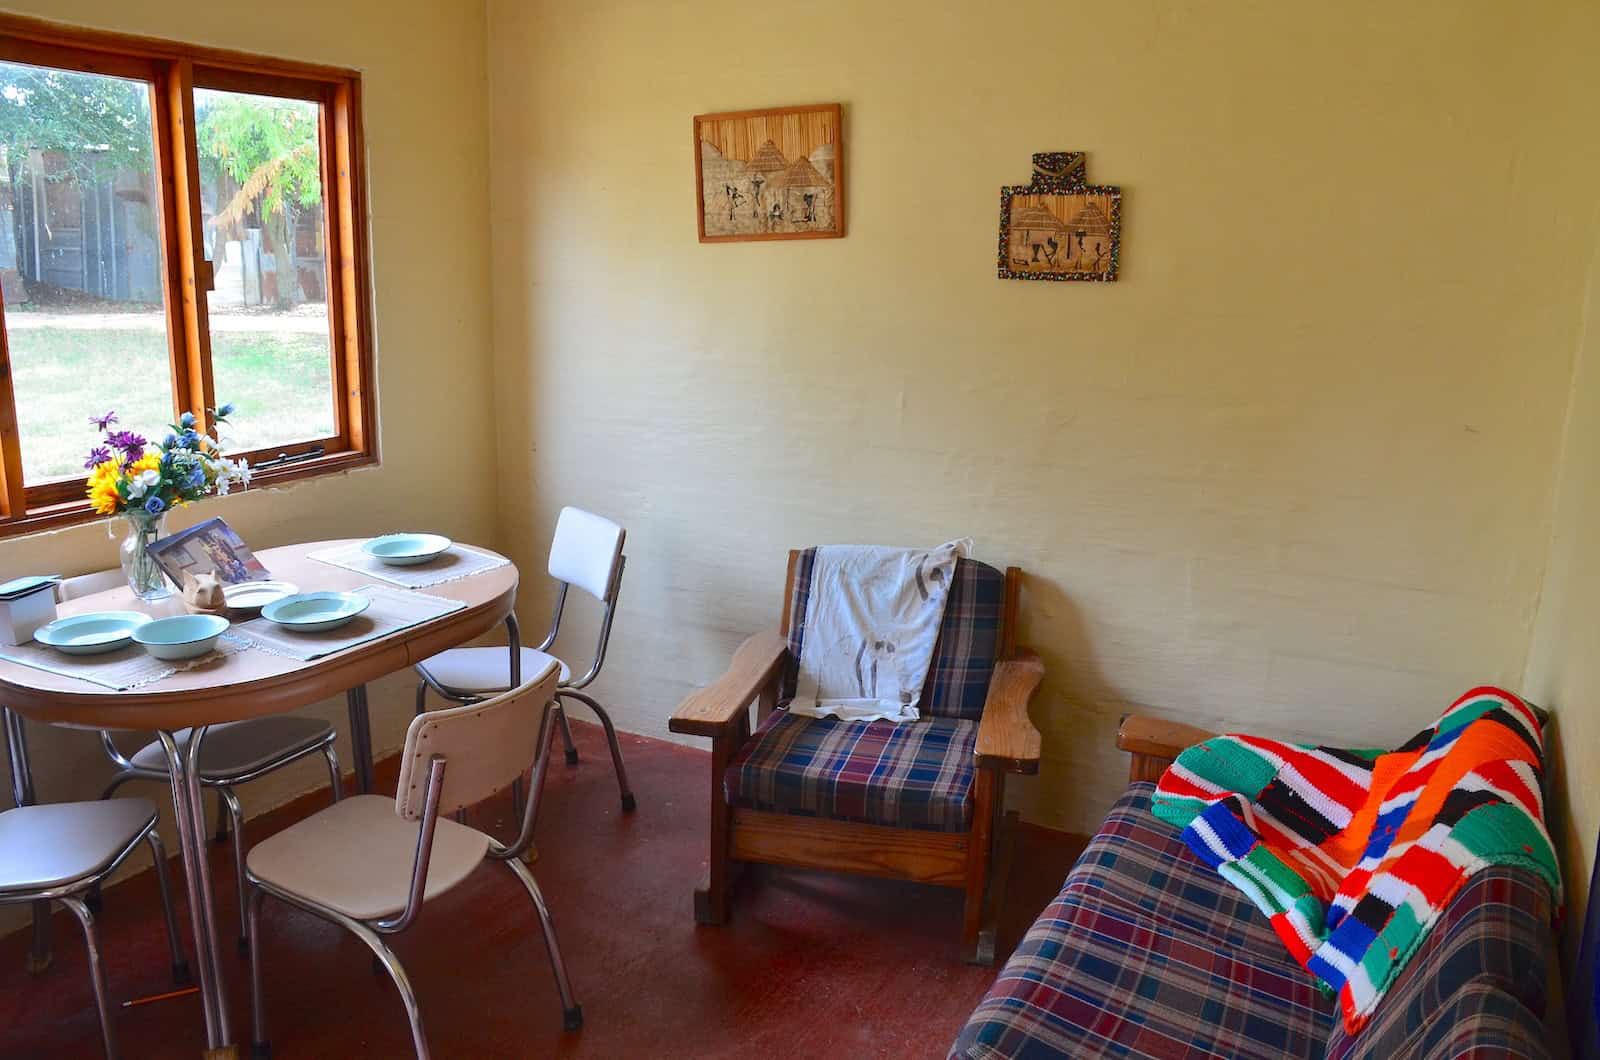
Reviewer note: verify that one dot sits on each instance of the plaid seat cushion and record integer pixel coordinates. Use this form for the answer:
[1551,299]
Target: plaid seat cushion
[1146,952]
[963,657]
[1479,978]
[913,775]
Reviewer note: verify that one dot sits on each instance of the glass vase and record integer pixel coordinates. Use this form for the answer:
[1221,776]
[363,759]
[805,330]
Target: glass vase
[144,575]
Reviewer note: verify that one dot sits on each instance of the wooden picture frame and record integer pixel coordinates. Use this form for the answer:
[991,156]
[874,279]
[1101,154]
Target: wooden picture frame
[770,174]
[1060,227]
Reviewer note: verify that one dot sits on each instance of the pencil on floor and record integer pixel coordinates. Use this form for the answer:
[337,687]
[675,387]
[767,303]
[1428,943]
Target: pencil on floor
[186,991]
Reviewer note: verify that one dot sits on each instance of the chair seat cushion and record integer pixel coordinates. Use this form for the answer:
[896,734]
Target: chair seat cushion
[355,857]
[237,748]
[1146,952]
[479,670]
[912,775]
[58,843]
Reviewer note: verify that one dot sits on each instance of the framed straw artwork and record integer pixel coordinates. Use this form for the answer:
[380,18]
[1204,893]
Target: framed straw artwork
[770,174]
[1060,227]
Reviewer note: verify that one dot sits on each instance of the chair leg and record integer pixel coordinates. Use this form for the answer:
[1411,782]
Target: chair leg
[628,801]
[116,782]
[976,945]
[571,1011]
[93,898]
[97,975]
[236,812]
[260,1045]
[422,697]
[180,965]
[566,738]
[222,818]
[397,972]
[335,778]
[39,953]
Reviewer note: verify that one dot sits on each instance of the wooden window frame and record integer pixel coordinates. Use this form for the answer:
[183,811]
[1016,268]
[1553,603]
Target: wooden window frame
[174,70]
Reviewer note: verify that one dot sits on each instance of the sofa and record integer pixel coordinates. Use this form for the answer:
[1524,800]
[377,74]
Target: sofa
[1147,952]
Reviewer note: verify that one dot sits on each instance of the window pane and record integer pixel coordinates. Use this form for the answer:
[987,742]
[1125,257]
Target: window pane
[261,199]
[80,261]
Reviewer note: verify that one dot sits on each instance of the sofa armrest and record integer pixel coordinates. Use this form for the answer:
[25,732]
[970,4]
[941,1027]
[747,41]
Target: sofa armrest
[755,666]
[1153,743]
[1006,737]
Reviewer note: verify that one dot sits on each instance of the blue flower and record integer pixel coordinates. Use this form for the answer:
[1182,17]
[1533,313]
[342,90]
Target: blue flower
[186,420]
[197,478]
[155,505]
[169,441]
[225,411]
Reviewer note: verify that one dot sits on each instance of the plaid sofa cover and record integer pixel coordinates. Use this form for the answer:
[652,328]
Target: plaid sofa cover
[963,656]
[915,775]
[1148,953]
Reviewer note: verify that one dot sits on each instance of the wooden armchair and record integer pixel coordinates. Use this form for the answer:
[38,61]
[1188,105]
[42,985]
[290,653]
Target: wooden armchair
[1153,744]
[783,793]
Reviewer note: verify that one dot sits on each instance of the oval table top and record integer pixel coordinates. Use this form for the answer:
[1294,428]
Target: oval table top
[253,683]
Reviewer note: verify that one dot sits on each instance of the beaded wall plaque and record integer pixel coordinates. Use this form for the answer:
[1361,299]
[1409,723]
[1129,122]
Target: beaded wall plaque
[1060,227]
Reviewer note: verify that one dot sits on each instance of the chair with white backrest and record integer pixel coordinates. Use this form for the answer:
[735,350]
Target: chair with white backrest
[233,753]
[587,553]
[370,863]
[59,851]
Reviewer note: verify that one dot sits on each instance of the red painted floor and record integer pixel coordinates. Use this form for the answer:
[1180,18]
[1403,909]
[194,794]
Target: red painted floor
[813,964]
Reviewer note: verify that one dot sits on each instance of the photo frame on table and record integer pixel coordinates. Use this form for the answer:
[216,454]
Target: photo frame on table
[211,547]
[1060,227]
[770,174]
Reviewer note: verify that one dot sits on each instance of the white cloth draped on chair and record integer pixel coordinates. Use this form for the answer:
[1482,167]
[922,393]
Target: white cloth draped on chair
[871,625]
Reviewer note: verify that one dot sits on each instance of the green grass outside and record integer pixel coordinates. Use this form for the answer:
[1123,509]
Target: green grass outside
[281,383]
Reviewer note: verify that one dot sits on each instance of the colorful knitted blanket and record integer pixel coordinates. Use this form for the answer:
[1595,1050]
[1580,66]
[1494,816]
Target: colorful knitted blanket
[1354,854]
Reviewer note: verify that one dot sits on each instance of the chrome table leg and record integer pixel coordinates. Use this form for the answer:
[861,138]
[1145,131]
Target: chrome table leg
[188,812]
[360,737]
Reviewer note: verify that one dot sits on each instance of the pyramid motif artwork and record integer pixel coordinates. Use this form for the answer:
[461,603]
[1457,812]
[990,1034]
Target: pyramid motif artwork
[770,174]
[1060,227]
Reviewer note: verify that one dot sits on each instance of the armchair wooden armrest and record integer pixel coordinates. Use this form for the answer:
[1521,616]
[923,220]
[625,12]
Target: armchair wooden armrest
[1154,743]
[754,668]
[1006,738]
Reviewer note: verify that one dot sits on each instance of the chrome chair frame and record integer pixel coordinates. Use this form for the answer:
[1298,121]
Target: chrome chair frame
[68,894]
[372,932]
[230,813]
[571,690]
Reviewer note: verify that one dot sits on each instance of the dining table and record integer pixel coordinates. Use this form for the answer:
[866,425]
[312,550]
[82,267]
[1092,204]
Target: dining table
[248,683]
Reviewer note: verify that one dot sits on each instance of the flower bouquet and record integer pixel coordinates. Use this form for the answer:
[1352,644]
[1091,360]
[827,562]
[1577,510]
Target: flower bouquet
[129,476]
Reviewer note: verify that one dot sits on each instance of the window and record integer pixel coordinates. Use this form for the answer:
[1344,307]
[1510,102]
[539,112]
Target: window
[179,227]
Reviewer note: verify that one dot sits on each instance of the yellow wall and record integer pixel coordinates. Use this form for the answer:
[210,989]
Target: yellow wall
[1292,473]
[426,126]
[1564,662]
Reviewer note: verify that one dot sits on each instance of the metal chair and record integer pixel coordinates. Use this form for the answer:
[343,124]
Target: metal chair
[369,864]
[233,753]
[587,553]
[58,852]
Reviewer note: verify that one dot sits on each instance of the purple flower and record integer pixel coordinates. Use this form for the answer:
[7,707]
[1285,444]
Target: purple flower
[103,422]
[97,456]
[131,444]
[155,505]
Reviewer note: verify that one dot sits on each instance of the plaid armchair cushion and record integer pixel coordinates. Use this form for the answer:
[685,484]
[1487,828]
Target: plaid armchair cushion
[1146,952]
[913,775]
[963,658]
[1479,978]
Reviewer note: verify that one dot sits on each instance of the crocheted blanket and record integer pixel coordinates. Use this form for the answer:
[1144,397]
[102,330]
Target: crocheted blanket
[1354,854]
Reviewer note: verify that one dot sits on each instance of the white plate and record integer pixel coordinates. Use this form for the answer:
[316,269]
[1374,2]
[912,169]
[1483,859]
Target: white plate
[253,596]
[314,612]
[407,550]
[91,634]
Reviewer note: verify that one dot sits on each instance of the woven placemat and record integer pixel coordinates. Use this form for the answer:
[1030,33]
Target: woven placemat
[459,561]
[391,610]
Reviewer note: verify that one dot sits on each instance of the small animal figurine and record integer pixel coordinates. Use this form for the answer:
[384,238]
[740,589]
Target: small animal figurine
[202,594]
